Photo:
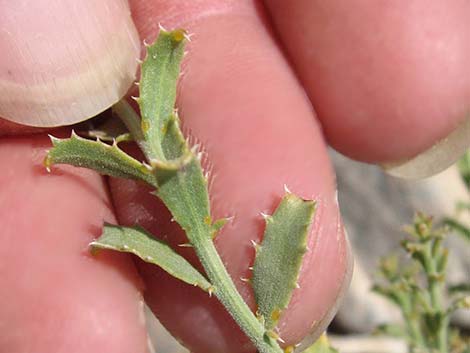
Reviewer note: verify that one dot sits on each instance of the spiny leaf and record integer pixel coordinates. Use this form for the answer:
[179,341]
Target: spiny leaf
[278,259]
[181,183]
[138,242]
[96,155]
[160,72]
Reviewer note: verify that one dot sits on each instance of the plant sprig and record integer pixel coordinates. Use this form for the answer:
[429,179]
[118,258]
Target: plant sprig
[420,292]
[172,168]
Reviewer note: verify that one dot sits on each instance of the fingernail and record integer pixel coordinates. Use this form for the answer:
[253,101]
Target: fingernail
[436,159]
[64,61]
[322,325]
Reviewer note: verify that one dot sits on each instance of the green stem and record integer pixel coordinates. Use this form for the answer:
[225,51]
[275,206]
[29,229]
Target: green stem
[411,320]
[228,295]
[192,214]
[130,118]
[436,288]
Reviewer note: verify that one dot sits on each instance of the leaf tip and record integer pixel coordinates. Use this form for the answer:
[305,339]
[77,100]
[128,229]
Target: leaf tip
[54,140]
[255,245]
[266,217]
[210,290]
[94,248]
[161,28]
[286,189]
[178,35]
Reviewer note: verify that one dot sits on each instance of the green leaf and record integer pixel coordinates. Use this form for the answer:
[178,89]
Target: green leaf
[181,182]
[458,227]
[152,250]
[279,257]
[99,156]
[463,287]
[160,72]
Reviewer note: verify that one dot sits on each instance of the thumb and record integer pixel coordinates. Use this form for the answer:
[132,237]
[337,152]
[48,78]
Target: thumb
[64,61]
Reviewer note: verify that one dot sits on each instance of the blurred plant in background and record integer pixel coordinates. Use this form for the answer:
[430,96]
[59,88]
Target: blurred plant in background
[462,207]
[416,285]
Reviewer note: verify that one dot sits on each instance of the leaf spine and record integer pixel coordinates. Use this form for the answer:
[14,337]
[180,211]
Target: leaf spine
[210,290]
[254,244]
[286,189]
[185,245]
[264,215]
[274,335]
[161,28]
[188,36]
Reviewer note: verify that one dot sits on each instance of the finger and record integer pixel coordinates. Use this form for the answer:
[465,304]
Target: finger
[388,81]
[239,98]
[64,61]
[55,296]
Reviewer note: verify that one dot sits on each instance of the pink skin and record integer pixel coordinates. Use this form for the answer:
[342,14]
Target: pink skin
[55,295]
[379,71]
[241,99]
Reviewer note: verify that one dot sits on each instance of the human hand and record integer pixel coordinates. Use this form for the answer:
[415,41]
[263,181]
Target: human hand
[240,97]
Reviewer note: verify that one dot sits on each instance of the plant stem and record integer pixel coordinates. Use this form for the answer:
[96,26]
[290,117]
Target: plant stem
[436,288]
[228,295]
[130,118]
[178,198]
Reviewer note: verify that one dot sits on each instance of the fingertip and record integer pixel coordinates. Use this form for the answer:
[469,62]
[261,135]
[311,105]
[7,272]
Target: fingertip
[435,159]
[65,61]
[388,81]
